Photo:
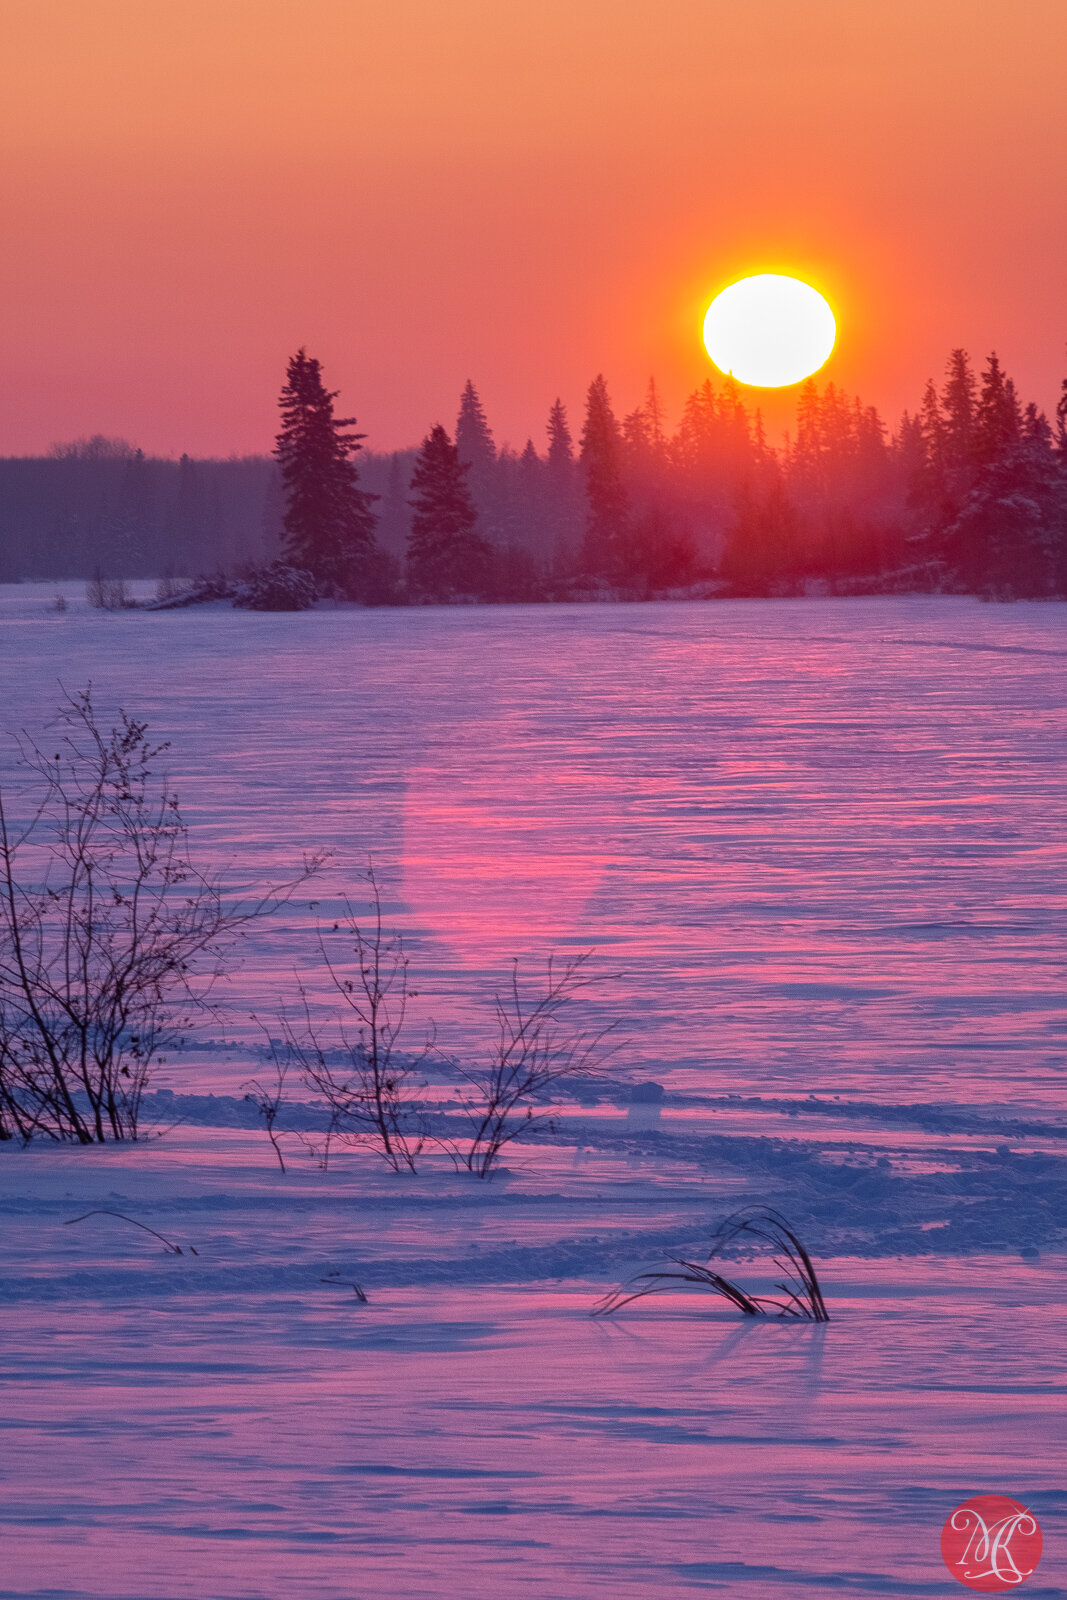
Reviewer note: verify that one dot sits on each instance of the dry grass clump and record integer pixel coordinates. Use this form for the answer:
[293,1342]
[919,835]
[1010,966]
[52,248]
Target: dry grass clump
[799,1286]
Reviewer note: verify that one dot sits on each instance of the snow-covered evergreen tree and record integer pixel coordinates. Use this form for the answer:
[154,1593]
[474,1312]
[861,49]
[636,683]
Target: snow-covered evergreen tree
[447,556]
[328,523]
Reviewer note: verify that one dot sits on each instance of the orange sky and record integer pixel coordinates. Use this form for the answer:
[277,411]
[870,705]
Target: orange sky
[523,194]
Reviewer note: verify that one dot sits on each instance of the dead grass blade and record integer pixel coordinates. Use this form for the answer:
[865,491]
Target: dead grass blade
[803,1297]
[168,1244]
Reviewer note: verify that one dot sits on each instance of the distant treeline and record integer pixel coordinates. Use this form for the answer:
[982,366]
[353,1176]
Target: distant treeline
[968,494]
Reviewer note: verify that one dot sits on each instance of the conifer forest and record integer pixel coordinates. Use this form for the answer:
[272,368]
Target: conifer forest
[966,494]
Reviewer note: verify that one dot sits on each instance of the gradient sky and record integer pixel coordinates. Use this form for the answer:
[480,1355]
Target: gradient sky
[526,195]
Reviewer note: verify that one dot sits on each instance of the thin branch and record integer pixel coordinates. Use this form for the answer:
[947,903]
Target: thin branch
[168,1244]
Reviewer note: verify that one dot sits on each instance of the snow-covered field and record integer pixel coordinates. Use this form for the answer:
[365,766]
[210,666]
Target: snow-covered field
[819,849]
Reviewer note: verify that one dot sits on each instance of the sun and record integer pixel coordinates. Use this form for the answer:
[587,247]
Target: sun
[769,331]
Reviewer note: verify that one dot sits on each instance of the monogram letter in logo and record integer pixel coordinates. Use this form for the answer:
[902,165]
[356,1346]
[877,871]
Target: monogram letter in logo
[991,1543]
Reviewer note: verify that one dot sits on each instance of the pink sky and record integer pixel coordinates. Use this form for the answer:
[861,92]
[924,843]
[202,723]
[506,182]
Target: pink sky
[193,188]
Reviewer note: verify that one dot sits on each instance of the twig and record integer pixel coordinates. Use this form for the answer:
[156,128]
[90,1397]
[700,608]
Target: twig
[168,1244]
[337,1283]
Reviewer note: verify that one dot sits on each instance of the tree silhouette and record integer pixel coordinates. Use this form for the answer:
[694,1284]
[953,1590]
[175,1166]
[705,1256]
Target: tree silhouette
[328,523]
[608,504]
[1009,536]
[474,438]
[996,415]
[560,443]
[763,552]
[653,409]
[1061,422]
[926,467]
[563,497]
[958,402]
[446,554]
[477,451]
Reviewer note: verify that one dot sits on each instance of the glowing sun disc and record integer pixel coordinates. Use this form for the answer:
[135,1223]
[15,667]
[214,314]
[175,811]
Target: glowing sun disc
[769,331]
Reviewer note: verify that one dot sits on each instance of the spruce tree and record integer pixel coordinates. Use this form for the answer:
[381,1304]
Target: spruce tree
[637,440]
[808,458]
[395,516]
[608,507]
[474,438]
[1005,540]
[700,449]
[1036,432]
[937,477]
[447,557]
[932,426]
[653,409]
[764,548]
[530,477]
[958,400]
[996,416]
[562,492]
[487,474]
[328,523]
[919,451]
[560,443]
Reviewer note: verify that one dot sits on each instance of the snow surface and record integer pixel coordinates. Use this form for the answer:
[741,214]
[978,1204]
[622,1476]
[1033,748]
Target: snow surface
[819,850]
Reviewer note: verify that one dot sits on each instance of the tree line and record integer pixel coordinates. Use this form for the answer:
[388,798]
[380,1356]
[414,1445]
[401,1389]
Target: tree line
[968,494]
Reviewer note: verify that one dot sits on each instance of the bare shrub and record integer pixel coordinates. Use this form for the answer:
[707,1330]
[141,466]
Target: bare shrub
[800,1285]
[355,1064]
[109,936]
[364,1080]
[170,588]
[535,1047]
[109,594]
[268,1099]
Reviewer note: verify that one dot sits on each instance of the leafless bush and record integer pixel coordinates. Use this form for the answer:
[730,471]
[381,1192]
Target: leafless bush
[800,1285]
[364,1081]
[169,587]
[59,602]
[109,594]
[355,1064]
[267,1100]
[109,937]
[535,1047]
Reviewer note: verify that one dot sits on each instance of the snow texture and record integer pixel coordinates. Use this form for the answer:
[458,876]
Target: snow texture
[819,849]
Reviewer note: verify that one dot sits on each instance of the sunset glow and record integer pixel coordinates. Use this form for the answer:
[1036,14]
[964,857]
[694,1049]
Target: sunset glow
[769,331]
[423,194]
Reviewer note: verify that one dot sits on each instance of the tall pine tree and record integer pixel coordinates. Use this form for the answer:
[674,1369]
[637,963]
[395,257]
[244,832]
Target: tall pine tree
[477,452]
[608,505]
[474,437]
[563,497]
[447,556]
[996,417]
[328,523]
[958,402]
[560,444]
